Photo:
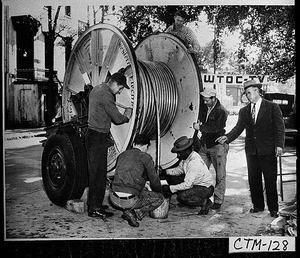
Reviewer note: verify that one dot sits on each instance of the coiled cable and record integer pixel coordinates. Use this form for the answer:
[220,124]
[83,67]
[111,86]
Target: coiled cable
[158,87]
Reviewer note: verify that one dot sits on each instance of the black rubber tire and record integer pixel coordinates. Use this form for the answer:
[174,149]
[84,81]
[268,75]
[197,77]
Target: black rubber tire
[64,168]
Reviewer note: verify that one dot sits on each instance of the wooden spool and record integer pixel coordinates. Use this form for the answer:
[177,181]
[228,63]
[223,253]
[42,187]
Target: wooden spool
[104,49]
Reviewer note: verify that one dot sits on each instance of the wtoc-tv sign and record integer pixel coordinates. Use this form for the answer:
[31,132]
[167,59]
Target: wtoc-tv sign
[232,79]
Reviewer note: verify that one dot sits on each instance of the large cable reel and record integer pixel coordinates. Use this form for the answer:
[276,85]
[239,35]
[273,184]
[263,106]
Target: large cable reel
[163,78]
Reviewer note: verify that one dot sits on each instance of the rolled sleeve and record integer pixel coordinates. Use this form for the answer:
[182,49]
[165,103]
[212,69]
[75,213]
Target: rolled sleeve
[189,179]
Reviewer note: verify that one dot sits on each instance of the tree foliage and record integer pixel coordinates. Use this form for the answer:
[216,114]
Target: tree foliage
[271,29]
[141,21]
[268,29]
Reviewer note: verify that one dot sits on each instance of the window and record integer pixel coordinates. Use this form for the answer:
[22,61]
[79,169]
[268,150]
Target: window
[68,11]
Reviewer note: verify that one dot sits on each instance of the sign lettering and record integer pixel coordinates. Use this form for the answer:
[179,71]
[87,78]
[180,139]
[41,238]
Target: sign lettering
[233,79]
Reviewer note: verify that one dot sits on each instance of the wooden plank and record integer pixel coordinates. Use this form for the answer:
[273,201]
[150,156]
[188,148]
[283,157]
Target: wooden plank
[96,55]
[110,57]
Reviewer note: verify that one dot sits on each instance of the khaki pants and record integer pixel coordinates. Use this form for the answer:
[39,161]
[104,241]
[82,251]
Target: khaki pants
[217,155]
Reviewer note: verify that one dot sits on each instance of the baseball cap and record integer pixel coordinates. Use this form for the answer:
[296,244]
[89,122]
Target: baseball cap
[208,92]
[120,79]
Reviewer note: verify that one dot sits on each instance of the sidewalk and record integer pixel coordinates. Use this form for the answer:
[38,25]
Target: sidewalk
[21,138]
[14,134]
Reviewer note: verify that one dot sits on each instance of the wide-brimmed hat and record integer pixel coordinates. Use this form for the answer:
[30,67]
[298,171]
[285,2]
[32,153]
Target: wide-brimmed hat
[120,79]
[182,143]
[251,83]
[208,92]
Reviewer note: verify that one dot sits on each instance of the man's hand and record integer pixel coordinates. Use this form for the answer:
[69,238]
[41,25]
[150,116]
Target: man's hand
[278,151]
[162,173]
[197,125]
[222,139]
[128,112]
[191,50]
[166,190]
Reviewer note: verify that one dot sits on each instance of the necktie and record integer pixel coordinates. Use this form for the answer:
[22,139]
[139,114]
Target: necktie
[253,113]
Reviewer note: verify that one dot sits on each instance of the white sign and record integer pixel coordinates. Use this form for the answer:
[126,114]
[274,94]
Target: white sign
[262,244]
[232,79]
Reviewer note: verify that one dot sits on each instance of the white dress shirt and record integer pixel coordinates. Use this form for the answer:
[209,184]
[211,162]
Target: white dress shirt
[195,170]
[257,107]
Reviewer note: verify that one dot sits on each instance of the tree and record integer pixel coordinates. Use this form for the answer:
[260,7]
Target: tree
[213,54]
[142,21]
[52,91]
[104,12]
[55,30]
[270,29]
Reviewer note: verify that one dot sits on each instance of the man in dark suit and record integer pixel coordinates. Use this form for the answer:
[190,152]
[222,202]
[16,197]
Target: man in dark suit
[264,142]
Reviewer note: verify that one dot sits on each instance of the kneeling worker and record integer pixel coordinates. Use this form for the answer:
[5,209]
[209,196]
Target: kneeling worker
[134,167]
[196,186]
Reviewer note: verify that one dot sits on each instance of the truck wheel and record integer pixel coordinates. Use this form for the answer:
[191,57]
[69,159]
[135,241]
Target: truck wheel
[64,168]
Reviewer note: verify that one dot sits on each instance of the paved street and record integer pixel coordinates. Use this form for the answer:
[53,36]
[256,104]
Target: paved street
[30,214]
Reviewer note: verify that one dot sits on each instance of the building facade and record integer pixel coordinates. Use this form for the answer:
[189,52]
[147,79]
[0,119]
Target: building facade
[26,64]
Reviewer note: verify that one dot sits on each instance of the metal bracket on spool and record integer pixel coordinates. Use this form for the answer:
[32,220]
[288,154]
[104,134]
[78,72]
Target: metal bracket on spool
[102,50]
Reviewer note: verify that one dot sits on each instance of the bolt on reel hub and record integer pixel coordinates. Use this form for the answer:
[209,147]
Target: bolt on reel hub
[163,78]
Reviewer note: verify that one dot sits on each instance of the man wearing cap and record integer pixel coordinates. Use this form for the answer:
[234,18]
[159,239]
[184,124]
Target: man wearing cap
[102,112]
[264,141]
[197,185]
[211,123]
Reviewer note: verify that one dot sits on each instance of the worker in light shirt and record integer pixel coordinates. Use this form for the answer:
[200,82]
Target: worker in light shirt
[191,179]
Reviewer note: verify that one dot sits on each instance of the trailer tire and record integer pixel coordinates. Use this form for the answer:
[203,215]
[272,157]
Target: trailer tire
[64,168]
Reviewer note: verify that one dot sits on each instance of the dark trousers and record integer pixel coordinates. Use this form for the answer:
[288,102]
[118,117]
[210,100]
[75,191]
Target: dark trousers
[196,196]
[96,145]
[265,165]
[148,201]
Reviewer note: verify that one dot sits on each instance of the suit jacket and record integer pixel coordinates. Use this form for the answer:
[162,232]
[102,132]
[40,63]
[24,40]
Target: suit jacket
[263,136]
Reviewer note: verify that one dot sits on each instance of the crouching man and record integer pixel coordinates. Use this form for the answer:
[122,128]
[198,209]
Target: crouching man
[133,168]
[191,179]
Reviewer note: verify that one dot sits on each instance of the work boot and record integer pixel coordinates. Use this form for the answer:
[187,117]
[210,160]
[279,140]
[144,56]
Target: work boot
[205,208]
[216,206]
[97,214]
[130,217]
[255,210]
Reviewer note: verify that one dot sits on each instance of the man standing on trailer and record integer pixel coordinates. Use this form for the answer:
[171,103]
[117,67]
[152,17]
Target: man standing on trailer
[102,112]
[264,142]
[185,34]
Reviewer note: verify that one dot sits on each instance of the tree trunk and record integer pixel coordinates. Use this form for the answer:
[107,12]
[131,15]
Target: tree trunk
[52,89]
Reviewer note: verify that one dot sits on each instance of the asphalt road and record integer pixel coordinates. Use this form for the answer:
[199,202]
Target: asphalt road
[30,215]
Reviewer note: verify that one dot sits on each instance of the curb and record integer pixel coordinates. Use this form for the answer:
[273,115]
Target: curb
[10,135]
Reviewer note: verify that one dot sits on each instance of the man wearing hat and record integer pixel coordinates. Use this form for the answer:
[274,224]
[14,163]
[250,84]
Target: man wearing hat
[102,111]
[212,122]
[197,185]
[264,141]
